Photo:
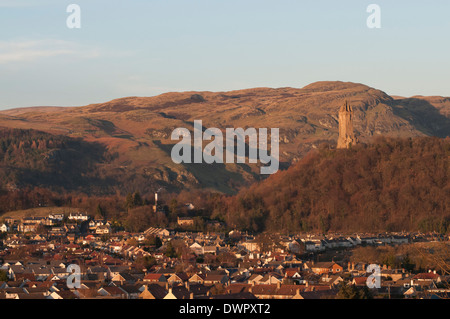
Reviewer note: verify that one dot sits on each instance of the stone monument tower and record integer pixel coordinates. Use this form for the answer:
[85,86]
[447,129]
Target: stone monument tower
[346,136]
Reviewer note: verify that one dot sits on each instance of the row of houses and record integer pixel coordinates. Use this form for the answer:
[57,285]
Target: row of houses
[318,245]
[54,224]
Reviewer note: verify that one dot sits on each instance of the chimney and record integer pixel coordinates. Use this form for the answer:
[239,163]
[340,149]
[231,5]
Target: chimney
[167,285]
[353,266]
[186,284]
[191,295]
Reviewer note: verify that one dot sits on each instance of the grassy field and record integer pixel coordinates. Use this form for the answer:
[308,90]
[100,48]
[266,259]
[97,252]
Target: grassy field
[39,212]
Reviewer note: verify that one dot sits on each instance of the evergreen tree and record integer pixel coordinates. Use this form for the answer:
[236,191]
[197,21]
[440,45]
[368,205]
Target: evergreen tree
[364,293]
[137,199]
[170,251]
[129,201]
[347,291]
[100,212]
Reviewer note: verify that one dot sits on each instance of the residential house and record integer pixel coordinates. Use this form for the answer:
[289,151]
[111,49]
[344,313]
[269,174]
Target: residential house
[177,278]
[251,245]
[153,291]
[271,278]
[324,267]
[78,217]
[197,278]
[275,291]
[211,279]
[314,245]
[153,278]
[196,248]
[123,278]
[103,230]
[131,291]
[185,221]
[112,291]
[295,247]
[179,292]
[332,280]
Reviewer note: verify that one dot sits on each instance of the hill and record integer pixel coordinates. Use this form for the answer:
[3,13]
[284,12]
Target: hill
[132,135]
[57,162]
[390,185]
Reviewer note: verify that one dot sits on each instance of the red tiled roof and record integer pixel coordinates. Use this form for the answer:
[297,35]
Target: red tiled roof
[238,288]
[112,290]
[153,277]
[360,280]
[426,276]
[24,276]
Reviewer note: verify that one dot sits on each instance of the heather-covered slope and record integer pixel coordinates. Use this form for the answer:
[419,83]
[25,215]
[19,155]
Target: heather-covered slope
[137,129]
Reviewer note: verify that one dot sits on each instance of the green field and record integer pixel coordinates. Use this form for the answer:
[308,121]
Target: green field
[39,212]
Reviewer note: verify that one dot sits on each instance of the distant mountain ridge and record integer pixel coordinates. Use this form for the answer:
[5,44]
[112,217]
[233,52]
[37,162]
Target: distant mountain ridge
[136,130]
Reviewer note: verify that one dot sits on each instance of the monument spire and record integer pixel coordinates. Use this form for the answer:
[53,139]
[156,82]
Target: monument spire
[346,135]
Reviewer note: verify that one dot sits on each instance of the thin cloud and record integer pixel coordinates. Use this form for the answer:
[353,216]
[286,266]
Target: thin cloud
[32,50]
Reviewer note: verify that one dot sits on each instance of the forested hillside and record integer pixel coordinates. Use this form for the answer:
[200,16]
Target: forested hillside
[30,158]
[391,185]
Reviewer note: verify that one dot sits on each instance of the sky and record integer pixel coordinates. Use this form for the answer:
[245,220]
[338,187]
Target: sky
[148,47]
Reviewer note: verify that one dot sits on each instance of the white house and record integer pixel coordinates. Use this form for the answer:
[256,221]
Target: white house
[196,248]
[251,245]
[93,224]
[104,229]
[314,245]
[78,217]
[56,217]
[294,246]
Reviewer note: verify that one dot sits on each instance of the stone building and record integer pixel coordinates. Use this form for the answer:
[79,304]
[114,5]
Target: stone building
[346,135]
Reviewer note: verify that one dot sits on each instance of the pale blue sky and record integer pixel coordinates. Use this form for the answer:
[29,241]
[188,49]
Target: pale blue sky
[144,48]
